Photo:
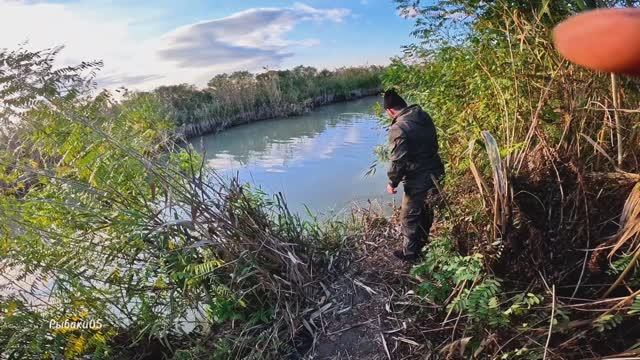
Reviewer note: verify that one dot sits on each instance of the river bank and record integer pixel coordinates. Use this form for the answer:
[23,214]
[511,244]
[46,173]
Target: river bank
[213,124]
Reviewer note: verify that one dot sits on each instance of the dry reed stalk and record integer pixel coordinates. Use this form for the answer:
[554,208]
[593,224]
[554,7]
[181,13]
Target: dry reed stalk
[502,193]
[616,105]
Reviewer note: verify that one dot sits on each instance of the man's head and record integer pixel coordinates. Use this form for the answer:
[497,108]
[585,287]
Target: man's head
[393,103]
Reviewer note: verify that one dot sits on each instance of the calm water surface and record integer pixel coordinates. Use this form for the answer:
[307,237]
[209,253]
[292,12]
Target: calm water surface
[319,159]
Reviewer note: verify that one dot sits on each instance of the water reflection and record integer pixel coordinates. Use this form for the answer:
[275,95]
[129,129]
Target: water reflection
[318,159]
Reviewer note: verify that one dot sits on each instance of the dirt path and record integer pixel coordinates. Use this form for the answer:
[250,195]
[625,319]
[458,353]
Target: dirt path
[367,311]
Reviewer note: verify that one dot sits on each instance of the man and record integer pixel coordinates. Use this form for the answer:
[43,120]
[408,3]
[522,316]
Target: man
[414,160]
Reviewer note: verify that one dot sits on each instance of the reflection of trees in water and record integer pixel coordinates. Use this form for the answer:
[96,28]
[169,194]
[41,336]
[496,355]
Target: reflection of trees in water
[246,141]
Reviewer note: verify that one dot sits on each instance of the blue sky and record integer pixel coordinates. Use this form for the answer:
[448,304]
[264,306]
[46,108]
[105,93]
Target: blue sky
[150,43]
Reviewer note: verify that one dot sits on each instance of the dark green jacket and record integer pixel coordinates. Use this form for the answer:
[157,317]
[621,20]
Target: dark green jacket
[414,147]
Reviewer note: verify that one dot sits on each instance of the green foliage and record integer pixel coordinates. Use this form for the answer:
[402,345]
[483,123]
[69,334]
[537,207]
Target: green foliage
[205,268]
[522,303]
[224,306]
[446,270]
[27,333]
[463,281]
[607,322]
[619,265]
[480,302]
[635,306]
[463,277]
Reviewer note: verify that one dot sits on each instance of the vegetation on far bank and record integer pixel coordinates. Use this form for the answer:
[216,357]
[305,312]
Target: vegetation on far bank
[242,97]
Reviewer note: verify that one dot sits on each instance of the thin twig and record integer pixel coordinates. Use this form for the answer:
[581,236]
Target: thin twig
[349,327]
[553,311]
[384,342]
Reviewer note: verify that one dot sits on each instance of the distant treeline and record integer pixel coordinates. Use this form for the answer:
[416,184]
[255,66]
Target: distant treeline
[243,97]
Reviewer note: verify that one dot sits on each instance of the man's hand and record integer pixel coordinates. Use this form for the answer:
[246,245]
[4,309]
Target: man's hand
[391,190]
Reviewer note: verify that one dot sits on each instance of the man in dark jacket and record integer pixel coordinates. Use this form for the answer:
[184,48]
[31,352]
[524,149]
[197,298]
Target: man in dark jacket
[414,161]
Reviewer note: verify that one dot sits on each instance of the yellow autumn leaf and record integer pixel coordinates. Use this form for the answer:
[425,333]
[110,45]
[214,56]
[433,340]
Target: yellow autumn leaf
[11,308]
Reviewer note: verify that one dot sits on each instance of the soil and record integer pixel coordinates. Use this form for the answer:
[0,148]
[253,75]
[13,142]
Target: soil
[370,309]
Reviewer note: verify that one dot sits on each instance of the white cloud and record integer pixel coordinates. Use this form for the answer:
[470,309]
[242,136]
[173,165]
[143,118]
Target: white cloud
[409,12]
[412,12]
[249,39]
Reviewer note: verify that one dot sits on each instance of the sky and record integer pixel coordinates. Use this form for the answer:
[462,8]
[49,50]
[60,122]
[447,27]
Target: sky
[148,43]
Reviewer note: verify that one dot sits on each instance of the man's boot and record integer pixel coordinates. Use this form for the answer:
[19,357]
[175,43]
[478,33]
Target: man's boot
[407,257]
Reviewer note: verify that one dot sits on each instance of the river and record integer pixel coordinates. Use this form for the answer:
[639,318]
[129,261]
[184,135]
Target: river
[318,160]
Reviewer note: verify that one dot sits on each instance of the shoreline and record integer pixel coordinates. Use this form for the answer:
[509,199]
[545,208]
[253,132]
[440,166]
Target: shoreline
[189,131]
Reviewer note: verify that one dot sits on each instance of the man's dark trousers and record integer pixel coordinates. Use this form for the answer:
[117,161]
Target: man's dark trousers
[416,214]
